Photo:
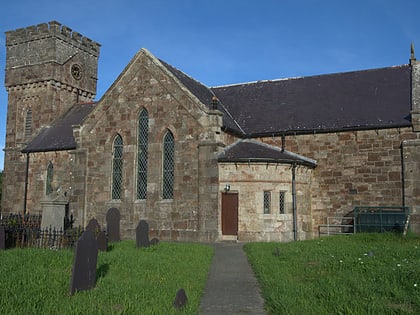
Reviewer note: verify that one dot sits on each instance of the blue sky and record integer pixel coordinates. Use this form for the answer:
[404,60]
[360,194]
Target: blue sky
[222,42]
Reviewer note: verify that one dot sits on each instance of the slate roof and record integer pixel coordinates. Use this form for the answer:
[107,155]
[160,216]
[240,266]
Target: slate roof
[369,99]
[249,150]
[204,94]
[59,136]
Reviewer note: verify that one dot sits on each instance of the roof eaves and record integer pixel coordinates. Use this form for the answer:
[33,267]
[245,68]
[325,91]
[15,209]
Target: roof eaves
[302,162]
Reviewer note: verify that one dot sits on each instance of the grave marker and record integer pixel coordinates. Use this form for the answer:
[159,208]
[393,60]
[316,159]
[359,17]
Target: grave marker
[142,234]
[154,241]
[84,263]
[180,299]
[102,241]
[113,224]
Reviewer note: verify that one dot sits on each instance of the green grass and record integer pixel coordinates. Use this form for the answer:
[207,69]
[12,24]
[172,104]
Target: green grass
[129,280]
[357,274]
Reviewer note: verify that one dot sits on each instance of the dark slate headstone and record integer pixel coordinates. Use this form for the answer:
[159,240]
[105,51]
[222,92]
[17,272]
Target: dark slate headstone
[102,241]
[180,299]
[84,263]
[93,226]
[113,224]
[142,234]
[154,241]
[2,238]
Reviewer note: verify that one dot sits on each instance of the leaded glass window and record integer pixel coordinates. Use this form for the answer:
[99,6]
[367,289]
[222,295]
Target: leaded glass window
[168,166]
[50,176]
[267,202]
[282,202]
[117,168]
[142,152]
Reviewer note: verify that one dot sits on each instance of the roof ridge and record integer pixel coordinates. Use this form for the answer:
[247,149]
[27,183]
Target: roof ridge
[305,76]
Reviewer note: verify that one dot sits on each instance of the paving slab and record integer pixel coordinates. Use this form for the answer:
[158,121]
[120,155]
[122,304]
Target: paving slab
[231,287]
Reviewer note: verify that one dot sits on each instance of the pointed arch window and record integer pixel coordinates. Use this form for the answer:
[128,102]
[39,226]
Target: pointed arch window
[117,167]
[142,153]
[50,177]
[28,123]
[168,165]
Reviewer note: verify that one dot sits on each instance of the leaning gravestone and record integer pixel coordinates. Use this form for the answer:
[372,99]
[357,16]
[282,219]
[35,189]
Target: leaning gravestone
[142,234]
[84,263]
[2,238]
[113,224]
[102,241]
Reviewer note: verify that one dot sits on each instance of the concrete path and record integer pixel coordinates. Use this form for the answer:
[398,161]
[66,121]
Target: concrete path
[231,286]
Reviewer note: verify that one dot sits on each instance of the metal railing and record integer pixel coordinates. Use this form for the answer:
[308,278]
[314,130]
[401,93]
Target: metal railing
[337,225]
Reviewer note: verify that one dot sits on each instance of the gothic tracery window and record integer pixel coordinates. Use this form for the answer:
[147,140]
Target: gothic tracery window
[142,153]
[168,165]
[117,168]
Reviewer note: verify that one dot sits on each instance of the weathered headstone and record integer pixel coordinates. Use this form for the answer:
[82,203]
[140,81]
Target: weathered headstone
[93,226]
[154,241]
[142,234]
[180,299]
[102,241]
[2,238]
[84,263]
[53,213]
[113,224]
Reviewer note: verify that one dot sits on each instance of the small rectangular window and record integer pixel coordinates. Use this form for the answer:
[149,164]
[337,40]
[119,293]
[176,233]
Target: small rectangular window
[282,203]
[267,202]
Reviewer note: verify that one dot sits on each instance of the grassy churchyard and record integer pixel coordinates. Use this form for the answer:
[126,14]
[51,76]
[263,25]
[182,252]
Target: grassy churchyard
[130,280]
[356,274]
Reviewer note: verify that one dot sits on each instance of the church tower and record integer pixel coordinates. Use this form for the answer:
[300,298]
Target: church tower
[49,68]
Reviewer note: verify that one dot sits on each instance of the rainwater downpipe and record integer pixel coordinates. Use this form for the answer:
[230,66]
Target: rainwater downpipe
[26,183]
[294,202]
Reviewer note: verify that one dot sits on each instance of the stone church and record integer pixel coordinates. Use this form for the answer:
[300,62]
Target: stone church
[258,161]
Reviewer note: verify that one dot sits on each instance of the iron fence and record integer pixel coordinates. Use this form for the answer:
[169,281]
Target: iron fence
[25,231]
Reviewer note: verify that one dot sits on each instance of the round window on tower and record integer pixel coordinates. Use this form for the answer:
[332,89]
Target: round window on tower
[76,71]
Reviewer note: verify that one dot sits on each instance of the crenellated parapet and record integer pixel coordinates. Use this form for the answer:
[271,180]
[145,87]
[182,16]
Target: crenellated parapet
[52,29]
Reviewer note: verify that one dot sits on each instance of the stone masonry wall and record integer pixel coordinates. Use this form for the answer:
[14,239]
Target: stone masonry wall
[145,85]
[250,181]
[354,168]
[38,78]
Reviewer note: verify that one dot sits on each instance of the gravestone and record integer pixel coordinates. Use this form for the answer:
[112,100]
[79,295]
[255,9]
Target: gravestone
[102,241]
[54,212]
[2,238]
[142,234]
[84,263]
[93,226]
[154,241]
[180,299]
[113,224]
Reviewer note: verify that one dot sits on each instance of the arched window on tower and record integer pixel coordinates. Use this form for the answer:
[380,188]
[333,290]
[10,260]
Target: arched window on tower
[142,154]
[50,177]
[117,168]
[28,123]
[168,165]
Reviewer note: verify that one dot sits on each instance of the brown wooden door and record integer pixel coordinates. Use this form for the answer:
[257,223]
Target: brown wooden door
[229,214]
